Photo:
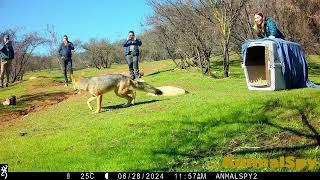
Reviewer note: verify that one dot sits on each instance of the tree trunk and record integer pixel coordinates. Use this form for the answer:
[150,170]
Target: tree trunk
[226,60]
[207,70]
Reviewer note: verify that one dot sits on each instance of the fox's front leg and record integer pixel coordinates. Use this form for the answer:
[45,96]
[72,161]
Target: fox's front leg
[89,100]
[99,101]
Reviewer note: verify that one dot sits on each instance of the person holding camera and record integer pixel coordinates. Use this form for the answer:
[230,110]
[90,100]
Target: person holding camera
[65,55]
[131,46]
[6,56]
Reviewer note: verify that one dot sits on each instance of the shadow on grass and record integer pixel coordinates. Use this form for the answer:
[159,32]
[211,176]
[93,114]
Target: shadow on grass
[41,96]
[314,68]
[305,112]
[185,149]
[120,106]
[314,71]
[158,72]
[234,75]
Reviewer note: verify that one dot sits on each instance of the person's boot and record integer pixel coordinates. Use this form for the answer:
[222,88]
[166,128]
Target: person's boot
[7,84]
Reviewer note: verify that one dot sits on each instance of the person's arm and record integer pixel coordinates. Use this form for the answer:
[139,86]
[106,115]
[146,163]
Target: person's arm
[59,50]
[71,46]
[125,43]
[1,45]
[139,42]
[272,27]
[12,52]
[1,54]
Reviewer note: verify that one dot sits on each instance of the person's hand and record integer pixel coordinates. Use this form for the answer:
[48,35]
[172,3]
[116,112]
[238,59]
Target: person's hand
[134,38]
[130,37]
[272,37]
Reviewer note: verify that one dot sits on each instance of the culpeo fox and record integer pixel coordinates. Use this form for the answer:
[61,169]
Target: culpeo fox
[120,84]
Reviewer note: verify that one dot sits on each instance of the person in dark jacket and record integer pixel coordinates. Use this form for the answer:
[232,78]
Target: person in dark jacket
[6,56]
[266,27]
[131,50]
[66,57]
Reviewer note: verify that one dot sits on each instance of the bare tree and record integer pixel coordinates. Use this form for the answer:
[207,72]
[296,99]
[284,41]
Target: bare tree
[192,37]
[308,28]
[166,38]
[225,14]
[53,44]
[117,54]
[98,52]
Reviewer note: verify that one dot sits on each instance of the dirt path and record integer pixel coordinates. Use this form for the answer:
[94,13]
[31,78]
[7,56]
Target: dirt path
[38,98]
[34,102]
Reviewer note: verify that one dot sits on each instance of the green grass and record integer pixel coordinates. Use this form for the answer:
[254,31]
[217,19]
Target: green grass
[193,132]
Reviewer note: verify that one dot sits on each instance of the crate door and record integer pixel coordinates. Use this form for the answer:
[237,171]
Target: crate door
[267,65]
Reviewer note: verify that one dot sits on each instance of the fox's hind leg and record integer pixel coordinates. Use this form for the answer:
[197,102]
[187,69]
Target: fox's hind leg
[89,101]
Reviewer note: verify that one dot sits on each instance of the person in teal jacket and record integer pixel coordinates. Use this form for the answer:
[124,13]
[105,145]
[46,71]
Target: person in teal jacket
[266,27]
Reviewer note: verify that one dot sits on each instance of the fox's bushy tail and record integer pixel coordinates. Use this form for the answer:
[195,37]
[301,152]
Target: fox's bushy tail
[145,87]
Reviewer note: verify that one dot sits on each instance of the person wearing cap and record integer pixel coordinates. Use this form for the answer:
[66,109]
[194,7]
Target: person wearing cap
[65,55]
[6,56]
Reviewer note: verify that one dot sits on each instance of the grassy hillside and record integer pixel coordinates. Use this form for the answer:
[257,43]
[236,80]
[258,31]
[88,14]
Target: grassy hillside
[193,132]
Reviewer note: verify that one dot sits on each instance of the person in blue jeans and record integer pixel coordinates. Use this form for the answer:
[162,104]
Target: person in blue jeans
[66,57]
[131,50]
[266,27]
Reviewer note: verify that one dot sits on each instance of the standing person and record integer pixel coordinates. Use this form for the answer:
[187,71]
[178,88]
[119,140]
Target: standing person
[6,56]
[265,27]
[65,55]
[131,46]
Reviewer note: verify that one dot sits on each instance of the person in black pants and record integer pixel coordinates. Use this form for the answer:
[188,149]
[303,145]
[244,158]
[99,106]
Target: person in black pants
[65,55]
[131,46]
